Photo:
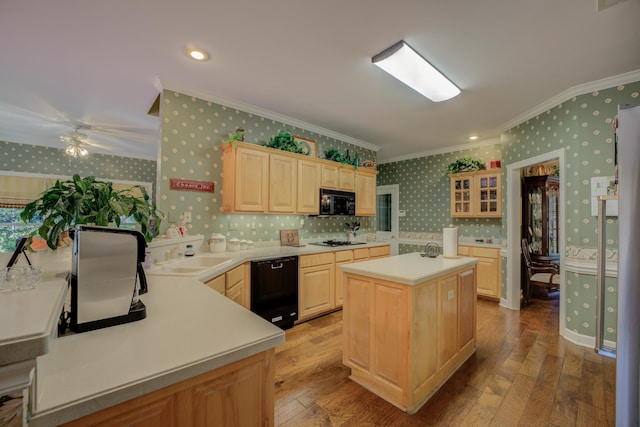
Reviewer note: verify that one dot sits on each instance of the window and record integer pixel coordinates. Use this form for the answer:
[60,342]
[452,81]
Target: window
[18,189]
[12,228]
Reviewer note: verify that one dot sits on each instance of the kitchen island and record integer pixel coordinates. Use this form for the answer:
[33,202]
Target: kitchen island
[409,323]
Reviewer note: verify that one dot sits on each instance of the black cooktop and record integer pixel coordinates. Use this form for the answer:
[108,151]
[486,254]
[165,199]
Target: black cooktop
[337,243]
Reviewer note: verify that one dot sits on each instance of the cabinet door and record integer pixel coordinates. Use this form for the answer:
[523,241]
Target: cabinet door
[342,257]
[467,307]
[252,177]
[347,179]
[282,183]
[365,194]
[217,284]
[316,290]
[488,196]
[235,285]
[487,277]
[461,189]
[447,319]
[308,199]
[391,334]
[330,176]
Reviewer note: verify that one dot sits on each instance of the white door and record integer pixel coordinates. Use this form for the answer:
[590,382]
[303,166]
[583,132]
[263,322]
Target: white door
[387,206]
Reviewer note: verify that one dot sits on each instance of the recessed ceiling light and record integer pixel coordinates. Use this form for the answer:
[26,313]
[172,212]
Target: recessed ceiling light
[197,54]
[473,137]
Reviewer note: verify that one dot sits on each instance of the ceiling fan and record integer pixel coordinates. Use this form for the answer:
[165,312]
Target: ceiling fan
[76,143]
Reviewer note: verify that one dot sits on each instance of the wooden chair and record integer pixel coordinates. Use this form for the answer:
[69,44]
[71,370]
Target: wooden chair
[544,274]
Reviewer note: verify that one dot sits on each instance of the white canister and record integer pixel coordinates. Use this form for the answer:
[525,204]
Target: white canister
[234,245]
[218,243]
[243,245]
[249,244]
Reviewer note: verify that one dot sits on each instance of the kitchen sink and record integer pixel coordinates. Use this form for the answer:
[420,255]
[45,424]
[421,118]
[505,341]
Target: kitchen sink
[203,261]
[189,266]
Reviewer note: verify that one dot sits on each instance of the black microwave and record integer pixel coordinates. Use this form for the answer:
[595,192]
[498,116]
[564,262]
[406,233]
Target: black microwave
[336,202]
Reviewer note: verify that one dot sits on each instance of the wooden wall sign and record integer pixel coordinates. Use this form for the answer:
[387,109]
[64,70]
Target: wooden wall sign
[190,185]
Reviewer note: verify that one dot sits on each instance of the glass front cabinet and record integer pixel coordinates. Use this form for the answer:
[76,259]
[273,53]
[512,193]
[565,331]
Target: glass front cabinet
[476,194]
[540,215]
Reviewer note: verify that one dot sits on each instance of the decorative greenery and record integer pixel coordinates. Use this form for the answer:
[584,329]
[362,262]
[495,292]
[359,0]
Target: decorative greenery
[334,155]
[465,164]
[284,141]
[89,201]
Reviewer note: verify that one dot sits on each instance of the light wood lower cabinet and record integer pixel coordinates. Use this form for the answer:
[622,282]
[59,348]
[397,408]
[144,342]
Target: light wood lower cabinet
[233,284]
[488,269]
[342,257]
[239,394]
[403,342]
[316,285]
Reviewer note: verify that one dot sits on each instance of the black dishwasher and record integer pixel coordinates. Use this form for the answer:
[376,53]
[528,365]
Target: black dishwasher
[274,290]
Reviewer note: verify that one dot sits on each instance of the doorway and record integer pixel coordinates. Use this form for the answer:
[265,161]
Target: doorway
[387,209]
[514,228]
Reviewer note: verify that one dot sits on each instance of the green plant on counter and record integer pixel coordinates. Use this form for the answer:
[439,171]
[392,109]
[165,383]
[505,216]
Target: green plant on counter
[465,164]
[89,201]
[284,141]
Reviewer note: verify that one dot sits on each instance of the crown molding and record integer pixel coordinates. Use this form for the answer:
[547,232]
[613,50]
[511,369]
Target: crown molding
[444,150]
[609,82]
[161,85]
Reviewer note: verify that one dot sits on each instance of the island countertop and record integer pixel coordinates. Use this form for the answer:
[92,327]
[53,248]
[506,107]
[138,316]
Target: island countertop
[409,269]
[190,329]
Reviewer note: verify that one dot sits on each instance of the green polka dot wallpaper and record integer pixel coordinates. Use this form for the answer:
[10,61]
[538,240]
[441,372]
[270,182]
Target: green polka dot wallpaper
[27,158]
[192,132]
[582,127]
[424,195]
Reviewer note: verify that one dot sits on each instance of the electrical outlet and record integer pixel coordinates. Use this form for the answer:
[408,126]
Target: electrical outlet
[186,216]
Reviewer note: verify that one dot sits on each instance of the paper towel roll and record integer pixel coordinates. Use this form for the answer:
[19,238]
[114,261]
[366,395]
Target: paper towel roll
[450,242]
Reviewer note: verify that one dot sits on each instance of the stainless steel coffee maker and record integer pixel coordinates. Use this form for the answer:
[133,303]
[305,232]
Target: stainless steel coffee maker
[106,277]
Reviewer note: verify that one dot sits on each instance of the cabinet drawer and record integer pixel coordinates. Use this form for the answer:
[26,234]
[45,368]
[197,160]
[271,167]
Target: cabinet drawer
[342,256]
[217,284]
[464,250]
[316,259]
[234,276]
[362,253]
[379,251]
[484,252]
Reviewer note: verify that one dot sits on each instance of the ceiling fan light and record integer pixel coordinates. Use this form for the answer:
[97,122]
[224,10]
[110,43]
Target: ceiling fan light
[76,150]
[406,65]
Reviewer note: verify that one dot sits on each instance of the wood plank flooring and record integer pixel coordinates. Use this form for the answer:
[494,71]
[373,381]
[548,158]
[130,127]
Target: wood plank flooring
[523,374]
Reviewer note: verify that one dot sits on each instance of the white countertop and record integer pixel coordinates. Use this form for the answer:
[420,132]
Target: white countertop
[27,320]
[190,329]
[409,269]
[233,259]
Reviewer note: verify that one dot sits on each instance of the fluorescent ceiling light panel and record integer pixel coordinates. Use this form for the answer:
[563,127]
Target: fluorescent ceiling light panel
[406,65]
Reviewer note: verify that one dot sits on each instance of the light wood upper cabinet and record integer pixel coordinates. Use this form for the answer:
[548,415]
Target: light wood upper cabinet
[347,179]
[308,198]
[282,183]
[476,194]
[246,179]
[261,179]
[338,177]
[365,192]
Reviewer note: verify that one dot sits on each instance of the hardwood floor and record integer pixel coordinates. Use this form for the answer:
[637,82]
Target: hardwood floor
[523,374]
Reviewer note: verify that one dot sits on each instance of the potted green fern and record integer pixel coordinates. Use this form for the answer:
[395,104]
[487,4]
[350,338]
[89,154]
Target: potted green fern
[89,201]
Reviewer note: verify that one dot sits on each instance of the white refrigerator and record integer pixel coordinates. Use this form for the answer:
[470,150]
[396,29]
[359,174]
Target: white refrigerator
[628,339]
